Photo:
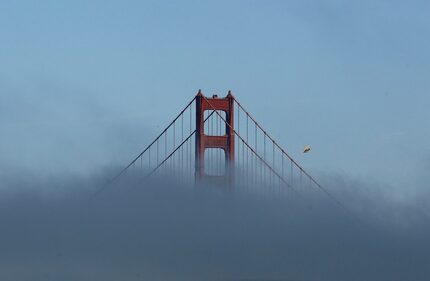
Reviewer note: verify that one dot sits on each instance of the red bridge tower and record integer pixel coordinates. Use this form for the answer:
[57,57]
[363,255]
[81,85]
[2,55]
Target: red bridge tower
[224,142]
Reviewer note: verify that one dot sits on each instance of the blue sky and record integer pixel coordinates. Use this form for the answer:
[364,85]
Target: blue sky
[83,85]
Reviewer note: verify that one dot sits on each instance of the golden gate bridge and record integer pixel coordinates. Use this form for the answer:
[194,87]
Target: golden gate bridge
[217,141]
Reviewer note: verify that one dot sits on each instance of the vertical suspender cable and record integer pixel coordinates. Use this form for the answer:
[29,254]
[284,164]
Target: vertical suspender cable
[292,176]
[254,171]
[264,155]
[157,152]
[238,144]
[247,152]
[191,121]
[300,177]
[182,139]
[273,160]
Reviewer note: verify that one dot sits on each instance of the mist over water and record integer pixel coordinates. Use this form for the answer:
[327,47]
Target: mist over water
[54,229]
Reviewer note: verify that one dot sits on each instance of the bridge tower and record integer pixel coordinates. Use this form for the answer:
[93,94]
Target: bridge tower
[224,142]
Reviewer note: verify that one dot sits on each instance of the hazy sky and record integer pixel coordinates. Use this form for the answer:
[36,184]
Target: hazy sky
[85,84]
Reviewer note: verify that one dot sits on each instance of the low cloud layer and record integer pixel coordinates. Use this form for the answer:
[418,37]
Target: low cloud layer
[53,229]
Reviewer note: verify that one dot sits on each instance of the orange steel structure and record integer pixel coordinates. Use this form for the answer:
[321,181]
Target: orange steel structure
[259,164]
[224,142]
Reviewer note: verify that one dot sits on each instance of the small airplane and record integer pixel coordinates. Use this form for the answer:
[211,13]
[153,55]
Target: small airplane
[306,149]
